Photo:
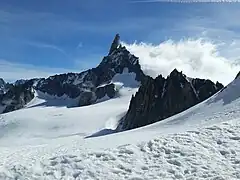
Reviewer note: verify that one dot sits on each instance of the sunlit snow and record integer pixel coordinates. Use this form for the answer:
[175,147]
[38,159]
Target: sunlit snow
[49,142]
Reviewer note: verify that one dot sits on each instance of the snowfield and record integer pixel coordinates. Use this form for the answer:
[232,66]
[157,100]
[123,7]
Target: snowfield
[211,153]
[55,142]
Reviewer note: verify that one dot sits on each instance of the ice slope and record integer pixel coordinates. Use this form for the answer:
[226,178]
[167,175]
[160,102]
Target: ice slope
[48,118]
[200,143]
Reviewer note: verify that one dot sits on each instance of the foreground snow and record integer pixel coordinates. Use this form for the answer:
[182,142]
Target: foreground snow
[46,142]
[210,153]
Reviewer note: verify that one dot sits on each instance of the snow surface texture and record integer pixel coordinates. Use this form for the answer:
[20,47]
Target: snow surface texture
[50,142]
[211,153]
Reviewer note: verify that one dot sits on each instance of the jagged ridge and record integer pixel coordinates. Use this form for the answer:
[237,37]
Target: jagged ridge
[161,98]
[86,83]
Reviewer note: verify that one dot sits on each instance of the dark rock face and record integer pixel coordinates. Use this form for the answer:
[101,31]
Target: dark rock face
[86,98]
[108,90]
[161,98]
[2,86]
[59,85]
[115,63]
[115,44]
[17,96]
[205,88]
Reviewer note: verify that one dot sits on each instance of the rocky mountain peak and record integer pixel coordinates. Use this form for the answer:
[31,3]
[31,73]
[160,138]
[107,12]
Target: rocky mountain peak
[118,60]
[177,76]
[175,73]
[115,44]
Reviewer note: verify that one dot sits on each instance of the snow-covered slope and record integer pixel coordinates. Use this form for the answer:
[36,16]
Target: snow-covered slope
[47,117]
[42,142]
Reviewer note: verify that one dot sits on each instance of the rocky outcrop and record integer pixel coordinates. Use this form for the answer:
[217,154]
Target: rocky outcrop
[108,90]
[17,96]
[86,98]
[161,98]
[3,85]
[205,88]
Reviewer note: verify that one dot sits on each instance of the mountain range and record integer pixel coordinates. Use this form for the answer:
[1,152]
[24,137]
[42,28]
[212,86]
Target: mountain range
[155,100]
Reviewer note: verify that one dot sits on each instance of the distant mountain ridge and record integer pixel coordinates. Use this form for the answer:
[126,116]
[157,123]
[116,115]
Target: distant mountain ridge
[3,87]
[87,86]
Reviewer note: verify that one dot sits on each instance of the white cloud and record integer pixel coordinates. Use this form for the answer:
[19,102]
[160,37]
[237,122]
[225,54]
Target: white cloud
[196,58]
[13,71]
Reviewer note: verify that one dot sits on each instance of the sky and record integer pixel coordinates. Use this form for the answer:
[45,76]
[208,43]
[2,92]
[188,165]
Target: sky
[44,37]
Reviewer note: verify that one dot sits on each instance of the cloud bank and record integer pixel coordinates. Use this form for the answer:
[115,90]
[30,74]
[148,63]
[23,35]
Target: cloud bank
[196,58]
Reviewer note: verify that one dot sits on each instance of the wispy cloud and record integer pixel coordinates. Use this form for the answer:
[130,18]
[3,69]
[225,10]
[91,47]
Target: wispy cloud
[48,46]
[13,71]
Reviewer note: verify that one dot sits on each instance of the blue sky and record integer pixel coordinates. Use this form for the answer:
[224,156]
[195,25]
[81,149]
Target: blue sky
[43,37]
